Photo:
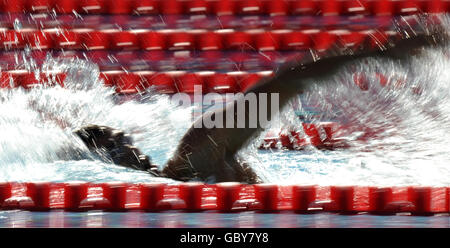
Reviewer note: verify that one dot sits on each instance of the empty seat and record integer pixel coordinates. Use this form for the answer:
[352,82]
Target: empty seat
[171,7]
[162,83]
[254,7]
[295,40]
[304,7]
[11,39]
[324,41]
[238,40]
[180,40]
[14,6]
[39,5]
[266,41]
[407,7]
[10,79]
[276,7]
[95,40]
[38,40]
[330,7]
[119,7]
[146,6]
[123,40]
[435,6]
[209,41]
[107,77]
[127,83]
[187,82]
[151,40]
[93,6]
[67,39]
[221,83]
[355,7]
[28,80]
[224,7]
[382,7]
[67,6]
[195,7]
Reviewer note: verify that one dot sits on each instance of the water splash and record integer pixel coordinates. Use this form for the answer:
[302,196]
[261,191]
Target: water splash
[397,136]
[398,133]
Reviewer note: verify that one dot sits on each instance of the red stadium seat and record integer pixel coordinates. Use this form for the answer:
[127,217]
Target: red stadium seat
[254,7]
[95,40]
[209,41]
[93,6]
[324,41]
[295,40]
[277,7]
[266,41]
[304,7]
[186,82]
[162,83]
[123,40]
[146,6]
[11,79]
[127,83]
[180,40]
[382,7]
[151,40]
[435,6]
[330,7]
[355,7]
[39,5]
[238,40]
[38,40]
[195,7]
[221,83]
[11,39]
[14,6]
[171,7]
[407,7]
[224,7]
[67,39]
[28,80]
[67,6]
[107,77]
[119,7]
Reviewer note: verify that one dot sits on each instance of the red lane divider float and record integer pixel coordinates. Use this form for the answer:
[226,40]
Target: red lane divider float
[227,7]
[177,40]
[224,197]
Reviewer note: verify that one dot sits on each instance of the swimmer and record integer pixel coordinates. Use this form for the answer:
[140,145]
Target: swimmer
[210,154]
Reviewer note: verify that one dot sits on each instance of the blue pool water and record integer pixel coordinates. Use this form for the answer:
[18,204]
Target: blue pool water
[173,219]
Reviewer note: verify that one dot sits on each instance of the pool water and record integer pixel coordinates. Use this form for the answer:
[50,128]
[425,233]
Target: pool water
[175,219]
